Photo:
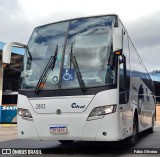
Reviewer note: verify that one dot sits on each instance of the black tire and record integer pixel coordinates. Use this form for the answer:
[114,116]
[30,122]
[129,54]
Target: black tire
[151,130]
[131,141]
[66,141]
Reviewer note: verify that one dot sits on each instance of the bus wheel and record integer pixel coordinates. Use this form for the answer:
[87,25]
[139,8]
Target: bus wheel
[133,139]
[66,141]
[151,130]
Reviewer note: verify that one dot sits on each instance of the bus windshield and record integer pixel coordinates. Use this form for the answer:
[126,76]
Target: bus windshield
[88,41]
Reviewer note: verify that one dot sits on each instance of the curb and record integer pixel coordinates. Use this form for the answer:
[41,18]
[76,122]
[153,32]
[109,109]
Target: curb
[8,125]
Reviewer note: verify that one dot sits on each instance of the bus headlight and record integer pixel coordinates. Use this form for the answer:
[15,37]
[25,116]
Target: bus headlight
[24,113]
[100,112]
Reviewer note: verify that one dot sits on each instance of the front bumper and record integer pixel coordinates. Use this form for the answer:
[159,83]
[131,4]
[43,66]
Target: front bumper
[106,129]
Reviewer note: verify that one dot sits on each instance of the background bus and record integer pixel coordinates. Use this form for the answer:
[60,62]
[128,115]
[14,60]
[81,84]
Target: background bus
[9,107]
[9,85]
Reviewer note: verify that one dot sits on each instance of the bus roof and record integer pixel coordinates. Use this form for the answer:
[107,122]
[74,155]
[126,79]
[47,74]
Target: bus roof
[94,16]
[15,50]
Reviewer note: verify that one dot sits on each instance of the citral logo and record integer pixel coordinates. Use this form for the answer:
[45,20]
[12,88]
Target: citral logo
[74,105]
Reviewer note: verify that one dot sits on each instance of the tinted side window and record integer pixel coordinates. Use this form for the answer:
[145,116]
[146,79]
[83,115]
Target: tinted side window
[126,53]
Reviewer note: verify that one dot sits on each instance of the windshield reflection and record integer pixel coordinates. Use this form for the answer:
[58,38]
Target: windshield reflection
[92,47]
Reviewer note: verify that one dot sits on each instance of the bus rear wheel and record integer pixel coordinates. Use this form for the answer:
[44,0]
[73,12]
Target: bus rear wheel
[151,130]
[133,139]
[66,141]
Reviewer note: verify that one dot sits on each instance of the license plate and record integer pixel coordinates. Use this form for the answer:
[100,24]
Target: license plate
[58,130]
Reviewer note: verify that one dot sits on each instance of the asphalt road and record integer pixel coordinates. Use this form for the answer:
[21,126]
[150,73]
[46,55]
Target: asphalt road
[147,142]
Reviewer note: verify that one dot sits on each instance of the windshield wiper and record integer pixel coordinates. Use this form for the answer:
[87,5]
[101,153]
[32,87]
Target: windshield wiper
[76,67]
[50,66]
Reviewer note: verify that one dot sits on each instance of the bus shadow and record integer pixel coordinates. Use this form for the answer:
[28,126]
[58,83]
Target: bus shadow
[87,148]
[119,147]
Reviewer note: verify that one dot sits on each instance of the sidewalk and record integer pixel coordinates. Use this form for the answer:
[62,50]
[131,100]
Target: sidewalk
[8,132]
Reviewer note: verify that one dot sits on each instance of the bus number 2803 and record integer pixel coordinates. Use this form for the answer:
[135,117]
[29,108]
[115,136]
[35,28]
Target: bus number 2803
[40,106]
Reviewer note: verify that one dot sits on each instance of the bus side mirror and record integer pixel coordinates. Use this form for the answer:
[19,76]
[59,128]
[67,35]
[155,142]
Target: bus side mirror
[117,40]
[7,50]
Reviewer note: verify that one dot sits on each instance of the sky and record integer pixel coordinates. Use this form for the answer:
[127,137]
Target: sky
[141,18]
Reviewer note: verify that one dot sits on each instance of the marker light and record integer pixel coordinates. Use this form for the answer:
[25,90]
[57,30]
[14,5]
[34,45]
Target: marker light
[42,85]
[100,112]
[24,113]
[118,53]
